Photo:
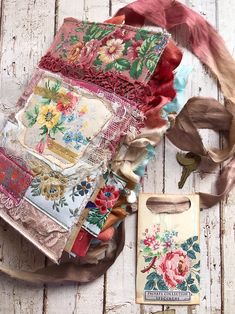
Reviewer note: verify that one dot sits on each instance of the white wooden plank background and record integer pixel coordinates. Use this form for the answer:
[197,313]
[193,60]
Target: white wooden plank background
[27,28]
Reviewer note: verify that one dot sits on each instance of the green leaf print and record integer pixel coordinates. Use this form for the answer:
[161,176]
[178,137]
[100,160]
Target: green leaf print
[73,39]
[148,46]
[95,218]
[193,288]
[161,284]
[191,254]
[150,284]
[196,247]
[109,66]
[58,128]
[190,280]
[74,213]
[184,246]
[198,278]
[141,34]
[151,62]
[122,64]
[96,32]
[126,46]
[32,116]
[136,68]
[152,276]
[44,130]
[190,241]
[182,286]
[196,266]
[97,62]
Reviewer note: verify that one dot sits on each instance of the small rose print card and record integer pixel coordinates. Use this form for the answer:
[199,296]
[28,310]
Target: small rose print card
[168,251]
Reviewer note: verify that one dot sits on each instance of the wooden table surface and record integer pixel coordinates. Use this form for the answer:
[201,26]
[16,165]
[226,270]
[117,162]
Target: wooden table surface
[27,29]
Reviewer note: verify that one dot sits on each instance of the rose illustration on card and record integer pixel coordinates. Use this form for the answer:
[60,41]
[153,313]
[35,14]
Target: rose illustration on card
[170,264]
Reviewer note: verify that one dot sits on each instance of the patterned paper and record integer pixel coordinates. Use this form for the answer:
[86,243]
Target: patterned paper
[168,265]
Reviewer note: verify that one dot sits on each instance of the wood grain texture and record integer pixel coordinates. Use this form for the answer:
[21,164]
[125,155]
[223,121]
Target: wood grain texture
[226,26]
[27,29]
[201,84]
[25,34]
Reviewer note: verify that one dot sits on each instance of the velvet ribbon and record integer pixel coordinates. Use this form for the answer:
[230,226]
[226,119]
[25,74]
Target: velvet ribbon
[209,47]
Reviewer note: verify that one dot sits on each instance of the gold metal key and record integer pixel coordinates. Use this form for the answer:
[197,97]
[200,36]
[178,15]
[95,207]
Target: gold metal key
[190,163]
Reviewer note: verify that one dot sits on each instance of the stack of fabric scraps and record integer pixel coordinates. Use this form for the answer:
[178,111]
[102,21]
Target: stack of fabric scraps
[75,149]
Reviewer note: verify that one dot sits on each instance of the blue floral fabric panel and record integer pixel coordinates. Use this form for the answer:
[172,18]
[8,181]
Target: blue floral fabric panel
[63,204]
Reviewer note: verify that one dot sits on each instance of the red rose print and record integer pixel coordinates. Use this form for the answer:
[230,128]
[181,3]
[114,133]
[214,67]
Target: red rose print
[106,198]
[174,267]
[67,107]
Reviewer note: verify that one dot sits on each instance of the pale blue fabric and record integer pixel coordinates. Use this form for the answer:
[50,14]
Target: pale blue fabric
[180,81]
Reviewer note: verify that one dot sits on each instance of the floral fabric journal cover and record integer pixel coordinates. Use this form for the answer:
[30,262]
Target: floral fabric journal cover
[84,98]
[168,251]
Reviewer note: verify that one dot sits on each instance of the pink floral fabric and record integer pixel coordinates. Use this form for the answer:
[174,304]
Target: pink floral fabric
[122,49]
[106,198]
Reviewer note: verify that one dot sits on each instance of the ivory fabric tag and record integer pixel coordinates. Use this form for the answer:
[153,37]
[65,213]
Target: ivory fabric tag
[168,257]
[59,121]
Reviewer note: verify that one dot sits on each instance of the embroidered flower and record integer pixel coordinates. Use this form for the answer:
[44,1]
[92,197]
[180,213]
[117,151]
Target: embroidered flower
[106,198]
[175,267]
[48,116]
[75,52]
[67,107]
[78,137]
[112,51]
[149,240]
[123,34]
[133,51]
[83,188]
[68,137]
[53,185]
[89,52]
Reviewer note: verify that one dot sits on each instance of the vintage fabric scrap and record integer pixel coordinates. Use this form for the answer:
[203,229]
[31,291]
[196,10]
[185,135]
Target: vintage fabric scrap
[93,94]
[15,178]
[130,51]
[48,236]
[48,192]
[59,121]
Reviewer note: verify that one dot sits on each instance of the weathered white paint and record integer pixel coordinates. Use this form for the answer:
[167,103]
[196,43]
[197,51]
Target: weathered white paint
[202,84]
[25,34]
[27,30]
[226,26]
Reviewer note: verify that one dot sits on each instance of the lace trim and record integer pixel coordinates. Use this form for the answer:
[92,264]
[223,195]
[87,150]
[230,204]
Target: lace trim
[113,83]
